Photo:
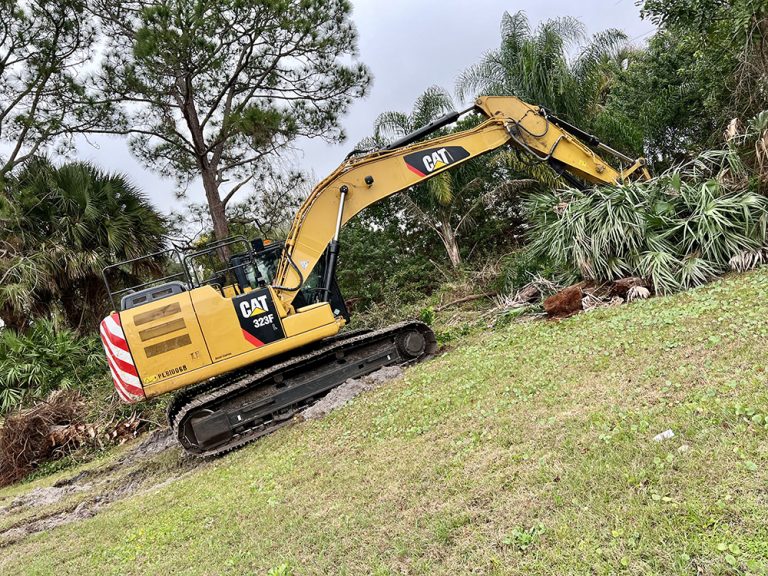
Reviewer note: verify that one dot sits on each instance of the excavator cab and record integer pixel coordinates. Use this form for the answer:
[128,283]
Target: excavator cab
[251,268]
[257,269]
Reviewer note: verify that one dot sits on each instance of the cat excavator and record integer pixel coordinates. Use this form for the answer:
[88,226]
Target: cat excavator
[250,339]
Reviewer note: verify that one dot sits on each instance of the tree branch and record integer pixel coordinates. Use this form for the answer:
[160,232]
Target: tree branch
[234,190]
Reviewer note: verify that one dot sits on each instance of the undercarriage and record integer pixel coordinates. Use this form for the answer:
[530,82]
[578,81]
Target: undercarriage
[227,412]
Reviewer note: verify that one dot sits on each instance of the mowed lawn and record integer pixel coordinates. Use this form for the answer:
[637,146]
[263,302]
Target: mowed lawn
[524,450]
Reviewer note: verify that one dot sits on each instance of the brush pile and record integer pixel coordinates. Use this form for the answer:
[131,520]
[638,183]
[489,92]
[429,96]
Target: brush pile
[40,433]
[55,428]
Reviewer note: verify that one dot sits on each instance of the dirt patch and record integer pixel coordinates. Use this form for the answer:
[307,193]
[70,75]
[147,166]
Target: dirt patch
[83,510]
[156,442]
[104,485]
[47,496]
[353,387]
[107,491]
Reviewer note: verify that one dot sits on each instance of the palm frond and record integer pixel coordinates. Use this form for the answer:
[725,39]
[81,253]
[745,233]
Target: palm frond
[678,230]
[391,125]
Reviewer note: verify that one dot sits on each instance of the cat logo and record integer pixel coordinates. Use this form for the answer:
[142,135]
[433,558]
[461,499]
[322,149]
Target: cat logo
[438,159]
[259,320]
[433,159]
[254,306]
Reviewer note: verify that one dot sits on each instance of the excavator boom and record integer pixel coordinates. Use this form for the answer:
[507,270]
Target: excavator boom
[362,181]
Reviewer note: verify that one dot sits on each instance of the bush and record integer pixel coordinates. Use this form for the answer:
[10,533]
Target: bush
[677,231]
[44,359]
[381,264]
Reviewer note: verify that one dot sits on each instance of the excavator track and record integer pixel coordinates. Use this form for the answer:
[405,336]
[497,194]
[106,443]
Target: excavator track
[218,416]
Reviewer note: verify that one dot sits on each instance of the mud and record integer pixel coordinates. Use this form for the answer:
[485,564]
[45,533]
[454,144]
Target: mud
[132,474]
[47,496]
[353,387]
[105,492]
[156,442]
[82,511]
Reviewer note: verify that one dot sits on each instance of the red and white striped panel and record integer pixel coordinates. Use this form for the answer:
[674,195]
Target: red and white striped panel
[120,361]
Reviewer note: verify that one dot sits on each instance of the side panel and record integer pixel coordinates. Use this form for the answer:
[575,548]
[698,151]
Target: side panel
[220,324]
[165,338]
[308,318]
[174,347]
[231,339]
[251,321]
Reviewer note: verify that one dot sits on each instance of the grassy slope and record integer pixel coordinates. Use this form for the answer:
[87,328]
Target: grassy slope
[525,450]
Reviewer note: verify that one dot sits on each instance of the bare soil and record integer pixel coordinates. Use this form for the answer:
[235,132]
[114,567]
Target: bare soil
[86,493]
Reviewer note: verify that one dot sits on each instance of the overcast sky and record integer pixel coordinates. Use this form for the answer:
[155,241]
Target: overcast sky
[408,45]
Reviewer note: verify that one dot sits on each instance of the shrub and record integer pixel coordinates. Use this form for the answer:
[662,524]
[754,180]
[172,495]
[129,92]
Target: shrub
[677,230]
[44,359]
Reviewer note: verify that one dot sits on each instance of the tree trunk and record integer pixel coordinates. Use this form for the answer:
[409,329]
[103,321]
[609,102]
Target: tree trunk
[217,209]
[453,251]
[208,166]
[448,236]
[215,205]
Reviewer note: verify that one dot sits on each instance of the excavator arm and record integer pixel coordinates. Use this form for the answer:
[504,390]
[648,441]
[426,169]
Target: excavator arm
[363,180]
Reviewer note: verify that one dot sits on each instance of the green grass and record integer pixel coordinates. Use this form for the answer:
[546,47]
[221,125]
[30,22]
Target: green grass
[525,450]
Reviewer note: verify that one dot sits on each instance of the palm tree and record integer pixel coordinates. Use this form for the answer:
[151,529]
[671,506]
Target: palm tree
[433,203]
[60,227]
[433,103]
[536,65]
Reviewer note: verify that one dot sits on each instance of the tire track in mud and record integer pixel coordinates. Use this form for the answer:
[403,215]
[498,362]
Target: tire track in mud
[104,485]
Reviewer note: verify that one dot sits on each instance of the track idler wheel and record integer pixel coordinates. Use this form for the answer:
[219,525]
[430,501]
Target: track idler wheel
[207,429]
[411,344]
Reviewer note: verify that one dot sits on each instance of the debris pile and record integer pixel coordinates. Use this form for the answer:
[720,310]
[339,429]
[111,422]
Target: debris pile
[562,302]
[565,303]
[588,296]
[35,435]
[126,429]
[52,429]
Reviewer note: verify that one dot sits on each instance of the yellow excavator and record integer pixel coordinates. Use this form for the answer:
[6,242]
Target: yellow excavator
[251,339]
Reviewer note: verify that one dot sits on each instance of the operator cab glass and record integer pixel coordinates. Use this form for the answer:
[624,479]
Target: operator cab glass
[258,269]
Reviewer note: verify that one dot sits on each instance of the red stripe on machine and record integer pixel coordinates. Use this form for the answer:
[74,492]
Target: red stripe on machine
[115,340]
[416,171]
[134,392]
[253,340]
